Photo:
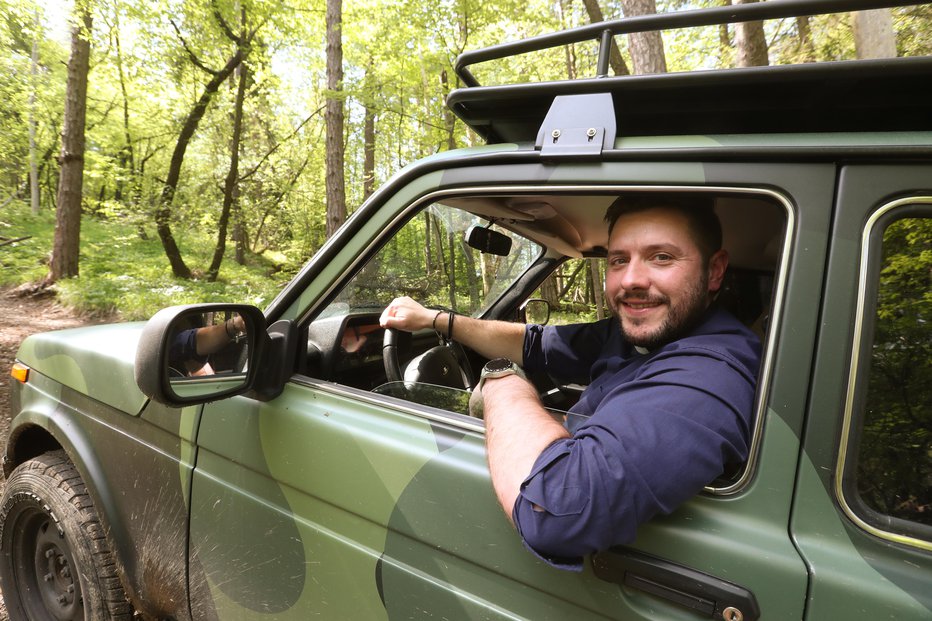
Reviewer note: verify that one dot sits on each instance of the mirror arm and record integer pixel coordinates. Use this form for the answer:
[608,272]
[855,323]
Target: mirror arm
[276,357]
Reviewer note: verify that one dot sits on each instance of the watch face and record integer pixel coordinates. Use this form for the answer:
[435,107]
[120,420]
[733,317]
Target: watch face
[498,364]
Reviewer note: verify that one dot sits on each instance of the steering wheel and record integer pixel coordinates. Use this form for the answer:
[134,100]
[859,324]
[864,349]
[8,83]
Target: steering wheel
[443,365]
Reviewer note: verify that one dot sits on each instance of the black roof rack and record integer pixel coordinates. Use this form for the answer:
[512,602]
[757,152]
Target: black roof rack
[874,95]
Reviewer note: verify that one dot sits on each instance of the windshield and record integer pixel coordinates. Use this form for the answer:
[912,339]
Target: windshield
[428,259]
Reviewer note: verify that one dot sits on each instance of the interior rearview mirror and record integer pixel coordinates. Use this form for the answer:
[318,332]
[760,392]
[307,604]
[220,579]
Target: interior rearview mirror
[487,241]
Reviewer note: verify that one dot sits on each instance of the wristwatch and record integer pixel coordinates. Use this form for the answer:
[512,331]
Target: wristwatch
[497,367]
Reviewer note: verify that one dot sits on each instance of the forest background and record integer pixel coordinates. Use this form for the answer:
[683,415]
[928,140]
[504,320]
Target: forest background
[176,151]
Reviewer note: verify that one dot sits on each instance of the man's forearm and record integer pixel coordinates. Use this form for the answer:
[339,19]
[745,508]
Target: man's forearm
[518,429]
[490,339]
[211,338]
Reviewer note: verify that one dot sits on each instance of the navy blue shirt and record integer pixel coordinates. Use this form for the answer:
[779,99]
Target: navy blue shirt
[652,429]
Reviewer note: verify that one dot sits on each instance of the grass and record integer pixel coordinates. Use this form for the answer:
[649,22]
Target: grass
[121,272]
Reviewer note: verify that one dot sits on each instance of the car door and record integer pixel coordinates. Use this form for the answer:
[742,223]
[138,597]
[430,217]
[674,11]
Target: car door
[863,516]
[336,500]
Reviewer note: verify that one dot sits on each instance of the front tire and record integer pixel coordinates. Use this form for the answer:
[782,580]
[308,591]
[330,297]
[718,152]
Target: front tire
[55,563]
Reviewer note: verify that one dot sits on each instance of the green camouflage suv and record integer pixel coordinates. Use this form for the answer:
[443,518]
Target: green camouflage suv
[308,469]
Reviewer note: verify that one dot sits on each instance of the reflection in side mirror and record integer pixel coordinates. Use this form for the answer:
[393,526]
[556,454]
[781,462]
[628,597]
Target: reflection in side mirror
[207,353]
[535,310]
[202,352]
[487,241]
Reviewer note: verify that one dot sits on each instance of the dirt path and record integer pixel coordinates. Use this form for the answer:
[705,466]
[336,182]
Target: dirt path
[20,317]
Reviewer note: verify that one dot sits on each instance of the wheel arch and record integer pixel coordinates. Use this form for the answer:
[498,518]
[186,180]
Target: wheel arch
[34,433]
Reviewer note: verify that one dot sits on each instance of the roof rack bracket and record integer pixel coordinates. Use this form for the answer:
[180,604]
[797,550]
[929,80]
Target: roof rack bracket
[578,126]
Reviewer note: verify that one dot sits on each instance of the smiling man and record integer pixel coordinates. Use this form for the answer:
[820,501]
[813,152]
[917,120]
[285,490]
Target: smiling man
[671,380]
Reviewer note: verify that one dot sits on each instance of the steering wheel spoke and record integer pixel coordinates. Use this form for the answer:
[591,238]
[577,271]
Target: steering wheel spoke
[444,365]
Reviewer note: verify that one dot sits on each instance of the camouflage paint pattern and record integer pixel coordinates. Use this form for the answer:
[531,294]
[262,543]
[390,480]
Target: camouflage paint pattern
[331,502]
[137,467]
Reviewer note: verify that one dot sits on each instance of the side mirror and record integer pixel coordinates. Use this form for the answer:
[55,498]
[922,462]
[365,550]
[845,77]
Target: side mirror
[205,352]
[535,310]
[487,241]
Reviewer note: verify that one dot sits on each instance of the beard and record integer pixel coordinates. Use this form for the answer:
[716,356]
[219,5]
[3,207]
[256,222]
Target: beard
[681,316]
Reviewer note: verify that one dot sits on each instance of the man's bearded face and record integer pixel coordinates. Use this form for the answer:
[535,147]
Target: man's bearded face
[657,281]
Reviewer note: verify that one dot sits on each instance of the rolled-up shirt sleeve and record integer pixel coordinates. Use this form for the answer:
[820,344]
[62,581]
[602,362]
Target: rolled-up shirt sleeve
[184,348]
[567,352]
[652,443]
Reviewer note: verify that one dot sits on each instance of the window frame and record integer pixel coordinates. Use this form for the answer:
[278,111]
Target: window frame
[768,346]
[868,284]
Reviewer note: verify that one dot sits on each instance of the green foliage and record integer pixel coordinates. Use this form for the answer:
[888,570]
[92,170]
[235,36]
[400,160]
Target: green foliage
[912,26]
[151,60]
[895,460]
[123,272]
[24,96]
[26,260]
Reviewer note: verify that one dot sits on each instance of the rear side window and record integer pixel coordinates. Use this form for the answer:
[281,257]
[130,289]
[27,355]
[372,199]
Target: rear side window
[889,475]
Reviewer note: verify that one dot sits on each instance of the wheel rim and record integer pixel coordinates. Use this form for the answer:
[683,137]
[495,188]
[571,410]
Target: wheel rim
[45,566]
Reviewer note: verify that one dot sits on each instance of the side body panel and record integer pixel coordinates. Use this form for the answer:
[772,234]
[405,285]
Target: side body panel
[378,508]
[137,467]
[855,574]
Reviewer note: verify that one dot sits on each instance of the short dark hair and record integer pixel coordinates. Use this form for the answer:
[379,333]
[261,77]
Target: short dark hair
[698,209]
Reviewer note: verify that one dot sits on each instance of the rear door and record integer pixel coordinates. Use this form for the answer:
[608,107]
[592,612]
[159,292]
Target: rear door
[338,501]
[863,516]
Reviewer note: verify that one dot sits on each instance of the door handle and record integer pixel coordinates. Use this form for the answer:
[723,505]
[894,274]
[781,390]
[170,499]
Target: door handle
[707,595]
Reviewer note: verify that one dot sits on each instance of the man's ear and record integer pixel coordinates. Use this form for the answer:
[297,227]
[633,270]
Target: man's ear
[718,263]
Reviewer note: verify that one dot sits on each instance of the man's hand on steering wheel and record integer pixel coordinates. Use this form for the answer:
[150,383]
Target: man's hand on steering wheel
[405,314]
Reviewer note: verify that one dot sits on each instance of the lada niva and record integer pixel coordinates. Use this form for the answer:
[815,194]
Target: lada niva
[309,469]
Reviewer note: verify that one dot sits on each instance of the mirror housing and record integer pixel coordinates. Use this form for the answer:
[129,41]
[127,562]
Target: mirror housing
[198,353]
[487,241]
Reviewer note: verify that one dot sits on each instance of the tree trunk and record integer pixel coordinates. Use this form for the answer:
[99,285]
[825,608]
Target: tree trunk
[570,280]
[240,235]
[368,164]
[806,50]
[647,53]
[873,34]
[333,114]
[595,275]
[451,269]
[126,153]
[164,211]
[65,250]
[449,119]
[469,261]
[428,254]
[751,42]
[549,289]
[231,183]
[615,60]
[33,162]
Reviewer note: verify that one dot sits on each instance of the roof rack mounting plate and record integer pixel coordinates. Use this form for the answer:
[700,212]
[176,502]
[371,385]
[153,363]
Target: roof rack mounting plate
[578,126]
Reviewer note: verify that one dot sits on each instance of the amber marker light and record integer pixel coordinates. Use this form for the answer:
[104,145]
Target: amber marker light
[20,372]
